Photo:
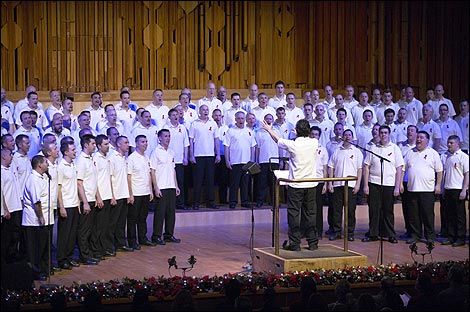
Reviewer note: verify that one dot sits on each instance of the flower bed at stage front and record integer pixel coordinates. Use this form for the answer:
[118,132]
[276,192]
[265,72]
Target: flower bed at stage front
[163,288]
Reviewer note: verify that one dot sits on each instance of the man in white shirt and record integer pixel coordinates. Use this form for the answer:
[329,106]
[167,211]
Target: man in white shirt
[413,107]
[349,100]
[37,218]
[376,98]
[364,130]
[204,153]
[465,132]
[301,196]
[140,194]
[448,127]
[389,122]
[145,128]
[55,107]
[158,109]
[345,161]
[96,110]
[239,150]
[24,102]
[110,120]
[293,113]
[279,99]
[333,111]
[381,187]
[358,110]
[267,154]
[21,162]
[162,165]
[11,221]
[251,100]
[117,222]
[430,126]
[336,140]
[323,123]
[406,146]
[263,108]
[179,144]
[190,114]
[83,121]
[424,169]
[456,177]
[440,99]
[401,126]
[124,112]
[68,201]
[286,131]
[88,193]
[41,121]
[308,113]
[57,128]
[222,97]
[329,101]
[222,177]
[210,100]
[99,240]
[387,104]
[229,114]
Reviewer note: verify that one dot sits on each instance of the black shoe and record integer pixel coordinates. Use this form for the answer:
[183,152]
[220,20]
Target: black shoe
[66,266]
[370,239]
[125,248]
[212,206]
[180,208]
[350,238]
[137,247]
[41,277]
[411,241]
[246,205]
[313,247]
[259,205]
[447,242]
[291,247]
[148,243]
[232,206]
[110,254]
[159,241]
[96,259]
[51,272]
[74,263]
[56,268]
[404,236]
[196,207]
[458,243]
[89,261]
[392,240]
[172,239]
[334,237]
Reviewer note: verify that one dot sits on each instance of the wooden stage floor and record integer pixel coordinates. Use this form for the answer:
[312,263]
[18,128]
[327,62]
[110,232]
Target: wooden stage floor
[220,242]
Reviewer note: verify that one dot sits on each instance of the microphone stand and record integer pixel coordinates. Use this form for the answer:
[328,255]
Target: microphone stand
[49,234]
[273,195]
[381,191]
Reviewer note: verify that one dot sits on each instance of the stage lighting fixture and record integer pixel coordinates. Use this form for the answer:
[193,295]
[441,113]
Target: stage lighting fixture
[414,251]
[192,260]
[172,262]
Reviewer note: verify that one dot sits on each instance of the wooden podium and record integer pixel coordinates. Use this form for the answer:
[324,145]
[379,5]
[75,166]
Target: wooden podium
[272,259]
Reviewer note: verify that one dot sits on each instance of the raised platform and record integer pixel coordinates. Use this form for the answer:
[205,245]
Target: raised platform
[326,257]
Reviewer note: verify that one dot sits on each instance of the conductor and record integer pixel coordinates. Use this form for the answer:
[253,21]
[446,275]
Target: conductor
[301,203]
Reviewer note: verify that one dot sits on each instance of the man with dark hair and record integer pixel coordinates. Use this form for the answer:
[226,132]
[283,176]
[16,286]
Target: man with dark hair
[37,218]
[424,169]
[162,165]
[300,196]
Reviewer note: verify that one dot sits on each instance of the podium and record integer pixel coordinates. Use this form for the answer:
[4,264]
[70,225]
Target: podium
[272,259]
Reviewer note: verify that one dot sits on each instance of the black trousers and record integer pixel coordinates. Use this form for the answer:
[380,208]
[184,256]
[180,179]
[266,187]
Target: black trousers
[120,212]
[301,208]
[85,224]
[405,200]
[37,249]
[204,174]
[422,214]
[137,217]
[319,201]
[265,181]
[381,216]
[457,219]
[180,199]
[13,248]
[164,214]
[67,232]
[111,222]
[444,211]
[239,179]
[222,178]
[99,229]
[338,203]
[330,217]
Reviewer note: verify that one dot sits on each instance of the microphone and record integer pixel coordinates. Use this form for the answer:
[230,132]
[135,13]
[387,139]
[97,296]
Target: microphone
[280,158]
[48,175]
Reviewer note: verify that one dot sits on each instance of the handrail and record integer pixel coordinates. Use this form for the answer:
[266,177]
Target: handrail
[345,203]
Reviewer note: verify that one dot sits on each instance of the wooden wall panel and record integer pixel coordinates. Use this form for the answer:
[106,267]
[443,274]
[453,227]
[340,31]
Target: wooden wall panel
[82,46]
